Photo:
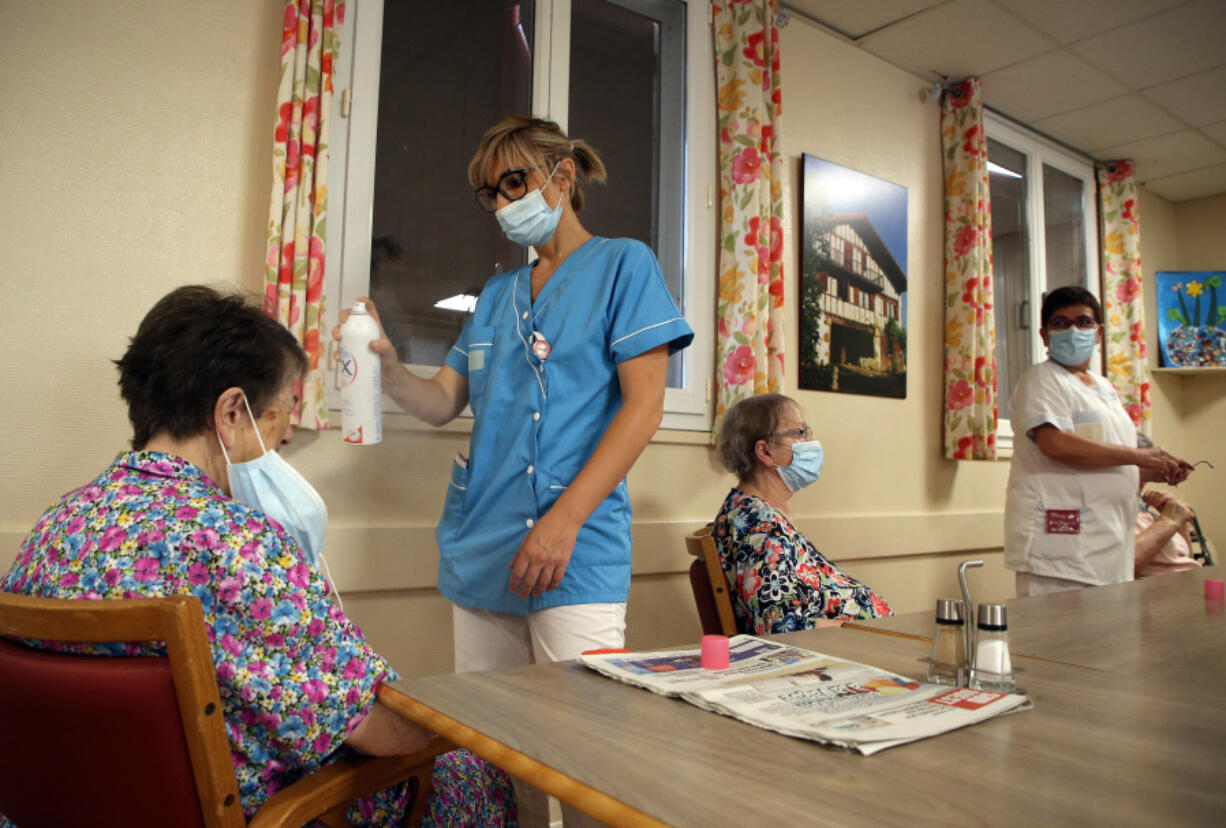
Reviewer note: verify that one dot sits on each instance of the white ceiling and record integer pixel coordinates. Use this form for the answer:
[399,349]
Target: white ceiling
[1140,79]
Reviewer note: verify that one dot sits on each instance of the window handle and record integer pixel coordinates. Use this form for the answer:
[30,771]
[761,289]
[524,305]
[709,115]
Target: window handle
[1023,315]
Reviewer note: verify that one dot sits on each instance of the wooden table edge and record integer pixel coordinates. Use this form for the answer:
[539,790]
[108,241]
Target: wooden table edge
[851,625]
[592,802]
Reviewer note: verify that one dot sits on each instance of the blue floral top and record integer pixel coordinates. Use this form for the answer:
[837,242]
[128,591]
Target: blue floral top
[780,582]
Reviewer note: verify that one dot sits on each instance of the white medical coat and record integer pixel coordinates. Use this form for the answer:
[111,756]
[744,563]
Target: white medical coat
[1065,521]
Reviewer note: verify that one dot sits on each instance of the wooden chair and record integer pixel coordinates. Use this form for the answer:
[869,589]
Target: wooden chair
[96,740]
[709,584]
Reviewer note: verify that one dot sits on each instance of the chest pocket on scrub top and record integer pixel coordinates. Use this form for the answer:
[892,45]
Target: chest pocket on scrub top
[1091,424]
[480,359]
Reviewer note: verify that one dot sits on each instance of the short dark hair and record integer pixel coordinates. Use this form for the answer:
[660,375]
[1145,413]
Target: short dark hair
[747,422]
[193,345]
[1066,297]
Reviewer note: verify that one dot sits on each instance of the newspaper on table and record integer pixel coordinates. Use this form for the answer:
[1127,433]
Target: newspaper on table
[809,695]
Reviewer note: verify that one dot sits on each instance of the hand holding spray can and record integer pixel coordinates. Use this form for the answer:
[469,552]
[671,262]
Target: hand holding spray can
[360,379]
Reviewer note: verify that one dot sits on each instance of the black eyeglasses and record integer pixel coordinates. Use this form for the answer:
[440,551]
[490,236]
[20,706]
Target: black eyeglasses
[513,184]
[1063,323]
[803,435]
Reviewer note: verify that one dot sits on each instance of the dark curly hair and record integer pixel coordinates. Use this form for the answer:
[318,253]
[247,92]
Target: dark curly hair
[1066,297]
[193,345]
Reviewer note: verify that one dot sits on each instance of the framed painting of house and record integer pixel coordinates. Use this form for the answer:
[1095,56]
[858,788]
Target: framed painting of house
[1191,318]
[853,282]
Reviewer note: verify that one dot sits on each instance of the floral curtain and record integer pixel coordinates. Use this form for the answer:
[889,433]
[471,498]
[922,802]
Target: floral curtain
[749,338]
[297,214]
[970,331]
[1123,305]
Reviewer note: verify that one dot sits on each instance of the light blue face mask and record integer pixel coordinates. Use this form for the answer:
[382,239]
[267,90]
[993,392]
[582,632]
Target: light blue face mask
[530,221]
[1072,347]
[806,465]
[270,484]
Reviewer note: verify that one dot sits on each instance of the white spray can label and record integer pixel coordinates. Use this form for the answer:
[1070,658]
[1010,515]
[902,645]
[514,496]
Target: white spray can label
[360,379]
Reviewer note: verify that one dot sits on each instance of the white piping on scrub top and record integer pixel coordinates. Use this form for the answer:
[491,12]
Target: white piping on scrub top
[648,328]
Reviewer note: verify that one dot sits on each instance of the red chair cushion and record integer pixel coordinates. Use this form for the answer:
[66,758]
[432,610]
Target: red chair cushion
[92,740]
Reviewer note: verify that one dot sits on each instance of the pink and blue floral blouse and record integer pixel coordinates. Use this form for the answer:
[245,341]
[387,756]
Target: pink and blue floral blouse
[780,582]
[295,675]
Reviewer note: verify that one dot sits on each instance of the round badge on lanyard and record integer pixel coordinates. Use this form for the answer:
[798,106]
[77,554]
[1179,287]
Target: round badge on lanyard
[540,346]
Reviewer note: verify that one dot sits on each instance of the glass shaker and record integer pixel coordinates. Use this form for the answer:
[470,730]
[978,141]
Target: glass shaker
[992,669]
[948,662]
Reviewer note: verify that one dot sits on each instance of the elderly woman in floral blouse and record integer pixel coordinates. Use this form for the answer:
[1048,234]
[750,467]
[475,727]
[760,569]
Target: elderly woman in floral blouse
[210,383]
[780,582]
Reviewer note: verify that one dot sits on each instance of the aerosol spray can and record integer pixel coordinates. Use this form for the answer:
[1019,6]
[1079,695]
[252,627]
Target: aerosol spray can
[361,388]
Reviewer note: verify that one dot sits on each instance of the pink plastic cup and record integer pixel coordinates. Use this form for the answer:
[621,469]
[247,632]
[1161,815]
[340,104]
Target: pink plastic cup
[715,652]
[1215,589]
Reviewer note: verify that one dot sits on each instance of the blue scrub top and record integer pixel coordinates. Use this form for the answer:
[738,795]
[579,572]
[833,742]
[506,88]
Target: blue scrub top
[536,422]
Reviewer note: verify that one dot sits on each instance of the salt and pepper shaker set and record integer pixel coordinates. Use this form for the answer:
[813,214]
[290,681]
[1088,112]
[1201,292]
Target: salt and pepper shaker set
[963,659]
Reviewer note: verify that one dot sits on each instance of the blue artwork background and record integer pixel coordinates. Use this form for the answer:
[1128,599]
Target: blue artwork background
[1183,341]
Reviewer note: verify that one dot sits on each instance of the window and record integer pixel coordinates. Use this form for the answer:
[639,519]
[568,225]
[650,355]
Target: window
[404,228]
[1044,236]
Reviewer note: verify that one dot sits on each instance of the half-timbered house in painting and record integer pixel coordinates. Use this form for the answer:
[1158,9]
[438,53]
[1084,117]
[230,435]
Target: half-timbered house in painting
[857,332]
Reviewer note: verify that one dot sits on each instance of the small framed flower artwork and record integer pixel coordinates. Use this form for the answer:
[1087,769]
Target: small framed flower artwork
[1191,318]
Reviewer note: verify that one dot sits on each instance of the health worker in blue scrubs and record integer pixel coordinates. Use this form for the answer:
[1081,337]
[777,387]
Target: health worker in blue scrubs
[564,364]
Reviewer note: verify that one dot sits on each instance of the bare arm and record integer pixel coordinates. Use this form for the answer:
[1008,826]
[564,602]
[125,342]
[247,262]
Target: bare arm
[1174,516]
[544,554]
[1076,450]
[385,733]
[436,401]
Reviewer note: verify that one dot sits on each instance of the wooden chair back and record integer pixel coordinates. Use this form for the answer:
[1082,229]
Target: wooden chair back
[709,584]
[97,740]
[92,740]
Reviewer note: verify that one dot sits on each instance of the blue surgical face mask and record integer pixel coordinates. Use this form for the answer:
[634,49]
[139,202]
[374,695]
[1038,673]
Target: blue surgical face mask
[1072,347]
[806,465]
[271,485]
[530,221]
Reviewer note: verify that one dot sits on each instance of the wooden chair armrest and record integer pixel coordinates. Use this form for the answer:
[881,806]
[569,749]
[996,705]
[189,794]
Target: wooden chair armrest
[335,786]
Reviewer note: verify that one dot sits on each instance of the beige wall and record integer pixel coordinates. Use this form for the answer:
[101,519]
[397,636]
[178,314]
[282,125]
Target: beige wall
[136,159]
[1189,410]
[1201,245]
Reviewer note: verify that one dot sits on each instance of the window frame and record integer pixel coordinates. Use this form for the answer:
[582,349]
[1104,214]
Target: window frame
[1039,151]
[352,178]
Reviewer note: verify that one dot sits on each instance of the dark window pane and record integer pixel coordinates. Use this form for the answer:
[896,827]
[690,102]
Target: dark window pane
[1010,268]
[627,61]
[1066,231]
[448,71]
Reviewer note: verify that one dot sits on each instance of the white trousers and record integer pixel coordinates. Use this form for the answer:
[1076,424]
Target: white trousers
[1030,584]
[487,640]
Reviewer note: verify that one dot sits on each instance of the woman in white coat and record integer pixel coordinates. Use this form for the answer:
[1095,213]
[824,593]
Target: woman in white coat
[1072,495]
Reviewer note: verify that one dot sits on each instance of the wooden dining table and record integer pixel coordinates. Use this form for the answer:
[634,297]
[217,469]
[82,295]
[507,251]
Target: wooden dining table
[1149,629]
[1105,743]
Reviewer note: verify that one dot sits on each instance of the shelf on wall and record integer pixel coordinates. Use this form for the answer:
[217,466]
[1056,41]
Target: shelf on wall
[1213,369]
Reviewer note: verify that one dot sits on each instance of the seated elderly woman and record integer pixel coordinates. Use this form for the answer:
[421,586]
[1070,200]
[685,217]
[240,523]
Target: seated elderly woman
[203,505]
[780,582]
[1163,538]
